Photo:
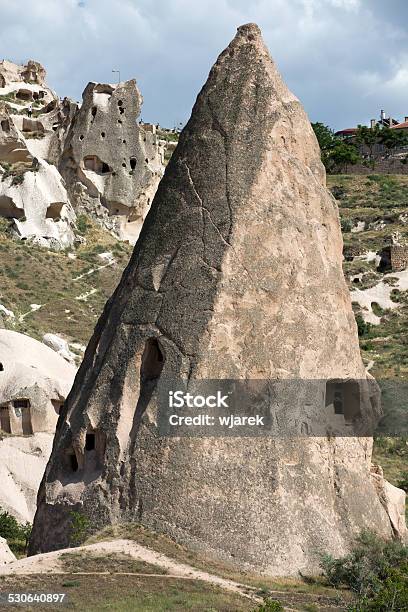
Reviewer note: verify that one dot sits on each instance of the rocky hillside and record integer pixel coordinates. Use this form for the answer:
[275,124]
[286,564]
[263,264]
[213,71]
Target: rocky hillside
[60,292]
[59,159]
[374,214]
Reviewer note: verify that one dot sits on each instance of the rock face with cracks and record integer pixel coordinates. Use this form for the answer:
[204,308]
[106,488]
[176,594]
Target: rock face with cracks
[236,274]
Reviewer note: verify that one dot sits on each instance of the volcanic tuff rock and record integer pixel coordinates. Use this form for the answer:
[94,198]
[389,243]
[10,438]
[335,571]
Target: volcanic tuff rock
[236,274]
[22,463]
[6,556]
[112,166]
[32,192]
[34,382]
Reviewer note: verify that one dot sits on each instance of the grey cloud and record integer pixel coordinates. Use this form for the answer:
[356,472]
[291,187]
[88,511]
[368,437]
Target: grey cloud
[343,58]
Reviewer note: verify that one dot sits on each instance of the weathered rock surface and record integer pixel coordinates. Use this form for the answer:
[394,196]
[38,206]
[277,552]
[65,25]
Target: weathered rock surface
[60,346]
[32,192]
[22,463]
[34,383]
[236,274]
[6,556]
[112,166]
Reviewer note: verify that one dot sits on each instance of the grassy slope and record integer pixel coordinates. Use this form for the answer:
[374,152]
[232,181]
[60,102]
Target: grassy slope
[34,275]
[117,589]
[124,593]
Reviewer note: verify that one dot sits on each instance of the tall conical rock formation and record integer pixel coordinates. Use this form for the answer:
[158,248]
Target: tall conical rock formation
[236,274]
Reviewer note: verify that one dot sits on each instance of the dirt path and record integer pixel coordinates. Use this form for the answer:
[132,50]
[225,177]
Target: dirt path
[51,563]
[54,563]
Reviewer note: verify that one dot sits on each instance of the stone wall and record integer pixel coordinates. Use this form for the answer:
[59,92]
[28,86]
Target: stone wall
[398,257]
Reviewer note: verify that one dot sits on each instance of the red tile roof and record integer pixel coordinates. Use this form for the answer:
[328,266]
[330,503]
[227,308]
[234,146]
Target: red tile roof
[347,131]
[400,126]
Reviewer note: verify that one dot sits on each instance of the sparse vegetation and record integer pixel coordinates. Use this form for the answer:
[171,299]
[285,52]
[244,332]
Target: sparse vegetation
[80,527]
[376,571]
[54,279]
[16,534]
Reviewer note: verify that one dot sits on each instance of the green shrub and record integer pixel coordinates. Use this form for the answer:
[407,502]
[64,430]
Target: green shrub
[376,571]
[82,224]
[403,481]
[18,179]
[270,605]
[377,310]
[80,527]
[346,225]
[363,327]
[16,534]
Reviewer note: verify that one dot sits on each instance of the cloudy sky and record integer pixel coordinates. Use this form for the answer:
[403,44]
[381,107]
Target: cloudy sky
[345,59]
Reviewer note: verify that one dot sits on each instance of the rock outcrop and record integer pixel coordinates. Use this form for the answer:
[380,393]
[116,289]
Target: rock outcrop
[97,152]
[6,556]
[112,165]
[22,463]
[236,275]
[34,383]
[24,83]
[32,192]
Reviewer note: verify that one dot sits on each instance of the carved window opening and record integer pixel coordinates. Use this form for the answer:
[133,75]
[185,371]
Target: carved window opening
[152,361]
[73,462]
[343,397]
[22,410]
[92,162]
[90,442]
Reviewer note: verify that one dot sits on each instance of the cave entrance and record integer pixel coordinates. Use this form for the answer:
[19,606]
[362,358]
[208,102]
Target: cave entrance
[92,162]
[90,442]
[152,361]
[5,424]
[23,410]
[73,462]
[24,94]
[343,397]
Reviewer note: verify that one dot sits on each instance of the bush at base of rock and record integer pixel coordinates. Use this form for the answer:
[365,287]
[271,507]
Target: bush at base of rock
[376,570]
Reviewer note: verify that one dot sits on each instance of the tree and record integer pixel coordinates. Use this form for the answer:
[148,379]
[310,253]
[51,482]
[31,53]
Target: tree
[392,139]
[336,154]
[368,136]
[327,141]
[344,155]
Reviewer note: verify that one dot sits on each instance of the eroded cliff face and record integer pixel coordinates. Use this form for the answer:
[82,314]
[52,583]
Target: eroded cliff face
[112,166]
[236,274]
[58,158]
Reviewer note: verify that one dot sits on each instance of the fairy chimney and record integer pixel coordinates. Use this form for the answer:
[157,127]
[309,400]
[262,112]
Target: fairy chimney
[236,275]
